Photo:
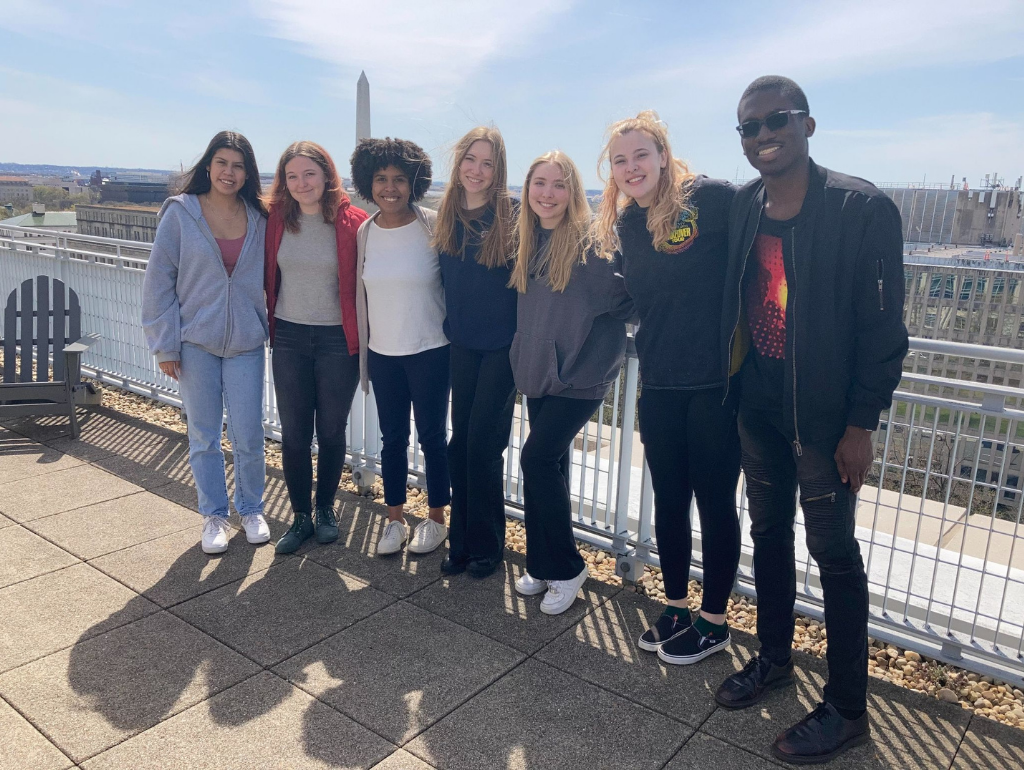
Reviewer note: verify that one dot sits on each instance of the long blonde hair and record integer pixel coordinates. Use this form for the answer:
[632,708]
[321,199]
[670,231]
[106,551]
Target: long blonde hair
[570,239]
[496,249]
[672,196]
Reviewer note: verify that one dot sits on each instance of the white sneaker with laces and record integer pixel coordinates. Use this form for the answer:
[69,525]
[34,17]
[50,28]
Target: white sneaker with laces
[394,537]
[562,593]
[528,585]
[427,536]
[256,529]
[215,534]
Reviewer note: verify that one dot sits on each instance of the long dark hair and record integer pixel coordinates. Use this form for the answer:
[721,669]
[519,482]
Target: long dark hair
[197,180]
[279,199]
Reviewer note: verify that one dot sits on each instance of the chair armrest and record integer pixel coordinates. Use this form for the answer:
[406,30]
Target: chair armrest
[83,344]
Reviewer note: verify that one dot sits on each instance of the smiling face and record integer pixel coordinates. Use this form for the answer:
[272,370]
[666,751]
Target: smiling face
[391,190]
[476,173]
[637,166]
[306,182]
[548,195]
[227,171]
[774,153]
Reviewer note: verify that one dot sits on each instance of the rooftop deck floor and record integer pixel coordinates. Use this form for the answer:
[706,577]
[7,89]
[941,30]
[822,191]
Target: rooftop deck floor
[123,646]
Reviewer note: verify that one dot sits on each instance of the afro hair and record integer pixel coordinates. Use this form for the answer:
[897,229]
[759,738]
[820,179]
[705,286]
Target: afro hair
[372,155]
[786,88]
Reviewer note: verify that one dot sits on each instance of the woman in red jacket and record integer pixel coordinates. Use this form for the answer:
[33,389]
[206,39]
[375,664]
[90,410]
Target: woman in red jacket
[310,282]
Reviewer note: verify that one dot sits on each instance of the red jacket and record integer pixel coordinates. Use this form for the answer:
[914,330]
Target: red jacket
[345,225]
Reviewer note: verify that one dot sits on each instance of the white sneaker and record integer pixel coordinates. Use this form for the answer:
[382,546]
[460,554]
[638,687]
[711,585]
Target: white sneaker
[562,593]
[427,536]
[256,529]
[394,537]
[528,585]
[215,534]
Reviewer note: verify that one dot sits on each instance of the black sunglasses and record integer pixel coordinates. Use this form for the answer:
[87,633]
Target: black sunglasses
[774,120]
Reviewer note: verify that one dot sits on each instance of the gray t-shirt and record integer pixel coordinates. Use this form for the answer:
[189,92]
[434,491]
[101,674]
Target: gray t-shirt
[308,261]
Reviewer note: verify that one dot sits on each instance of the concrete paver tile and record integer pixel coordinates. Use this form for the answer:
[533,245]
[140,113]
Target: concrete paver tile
[109,687]
[34,497]
[402,760]
[263,723]
[27,555]
[709,753]
[602,649]
[539,717]
[988,744]
[271,615]
[152,464]
[181,492]
[492,607]
[82,450]
[101,528]
[361,524]
[907,731]
[53,611]
[24,748]
[22,458]
[399,671]
[5,522]
[173,568]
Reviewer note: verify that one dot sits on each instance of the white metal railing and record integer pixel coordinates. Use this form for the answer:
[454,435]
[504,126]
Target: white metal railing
[939,526]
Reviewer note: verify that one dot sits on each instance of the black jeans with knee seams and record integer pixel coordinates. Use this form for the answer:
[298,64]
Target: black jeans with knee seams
[693,449]
[774,473]
[483,400]
[551,552]
[315,379]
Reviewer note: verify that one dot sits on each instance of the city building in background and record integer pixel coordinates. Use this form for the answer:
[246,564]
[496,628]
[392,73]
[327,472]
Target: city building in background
[127,222]
[14,190]
[992,214]
[46,223]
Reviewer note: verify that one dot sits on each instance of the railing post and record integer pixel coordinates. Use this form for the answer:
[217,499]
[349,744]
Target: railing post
[625,562]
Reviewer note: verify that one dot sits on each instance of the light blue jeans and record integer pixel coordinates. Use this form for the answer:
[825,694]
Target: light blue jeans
[209,384]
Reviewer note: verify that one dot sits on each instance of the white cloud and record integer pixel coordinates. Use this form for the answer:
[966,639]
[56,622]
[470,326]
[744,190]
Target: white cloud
[415,53]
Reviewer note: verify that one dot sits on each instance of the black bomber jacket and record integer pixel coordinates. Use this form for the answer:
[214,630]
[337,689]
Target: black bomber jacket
[845,337]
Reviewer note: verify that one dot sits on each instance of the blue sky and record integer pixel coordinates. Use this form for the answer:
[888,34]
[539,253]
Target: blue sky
[902,90]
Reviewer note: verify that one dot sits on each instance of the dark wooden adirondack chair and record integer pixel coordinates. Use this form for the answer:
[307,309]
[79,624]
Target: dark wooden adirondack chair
[22,395]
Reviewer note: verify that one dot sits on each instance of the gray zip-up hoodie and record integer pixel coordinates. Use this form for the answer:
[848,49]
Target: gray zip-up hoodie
[571,343]
[187,295]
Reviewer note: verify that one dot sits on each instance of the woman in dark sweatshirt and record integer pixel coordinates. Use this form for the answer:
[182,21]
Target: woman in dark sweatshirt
[473,237]
[670,229]
[568,349]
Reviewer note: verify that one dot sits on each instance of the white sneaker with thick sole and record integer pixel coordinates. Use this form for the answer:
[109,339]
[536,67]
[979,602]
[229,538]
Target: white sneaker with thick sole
[394,537]
[562,593]
[527,585]
[256,529]
[427,536]
[216,531]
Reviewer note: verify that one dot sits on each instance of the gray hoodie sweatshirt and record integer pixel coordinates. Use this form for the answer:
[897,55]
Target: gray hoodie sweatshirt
[187,295]
[571,343]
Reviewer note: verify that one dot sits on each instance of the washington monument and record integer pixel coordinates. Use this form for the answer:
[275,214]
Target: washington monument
[362,108]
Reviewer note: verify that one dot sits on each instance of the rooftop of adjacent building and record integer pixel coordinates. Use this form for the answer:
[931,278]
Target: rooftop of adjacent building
[43,219]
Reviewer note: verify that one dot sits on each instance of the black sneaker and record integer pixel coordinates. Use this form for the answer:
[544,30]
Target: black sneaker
[299,532]
[450,566]
[692,646]
[481,568]
[326,525]
[668,627]
[748,686]
[820,736]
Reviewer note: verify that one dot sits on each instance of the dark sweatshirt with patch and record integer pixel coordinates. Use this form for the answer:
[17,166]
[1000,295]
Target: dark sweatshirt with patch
[571,343]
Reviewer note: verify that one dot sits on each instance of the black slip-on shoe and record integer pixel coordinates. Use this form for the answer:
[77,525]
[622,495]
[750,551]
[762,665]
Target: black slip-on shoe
[667,627]
[692,646]
[481,568]
[450,566]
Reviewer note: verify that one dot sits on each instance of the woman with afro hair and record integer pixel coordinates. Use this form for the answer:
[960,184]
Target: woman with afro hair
[403,348]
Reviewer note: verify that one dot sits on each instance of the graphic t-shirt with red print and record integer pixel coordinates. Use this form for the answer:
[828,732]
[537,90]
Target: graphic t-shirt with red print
[765,293]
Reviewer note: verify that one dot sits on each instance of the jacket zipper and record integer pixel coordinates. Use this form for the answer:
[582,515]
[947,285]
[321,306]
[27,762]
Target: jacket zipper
[739,304]
[881,296]
[796,425]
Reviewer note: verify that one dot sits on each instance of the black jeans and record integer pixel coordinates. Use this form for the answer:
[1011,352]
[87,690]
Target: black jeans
[692,448]
[546,456]
[774,472]
[315,379]
[483,399]
[422,381]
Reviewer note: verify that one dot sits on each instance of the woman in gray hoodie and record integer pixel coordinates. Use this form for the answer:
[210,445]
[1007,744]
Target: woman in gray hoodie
[205,321]
[568,349]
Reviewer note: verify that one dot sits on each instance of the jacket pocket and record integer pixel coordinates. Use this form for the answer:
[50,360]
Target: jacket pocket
[535,366]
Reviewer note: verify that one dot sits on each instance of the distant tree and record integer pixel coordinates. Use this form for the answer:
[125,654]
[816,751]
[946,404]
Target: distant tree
[55,197]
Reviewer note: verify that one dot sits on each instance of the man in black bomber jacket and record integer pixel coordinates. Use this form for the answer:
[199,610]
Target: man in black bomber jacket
[812,325]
